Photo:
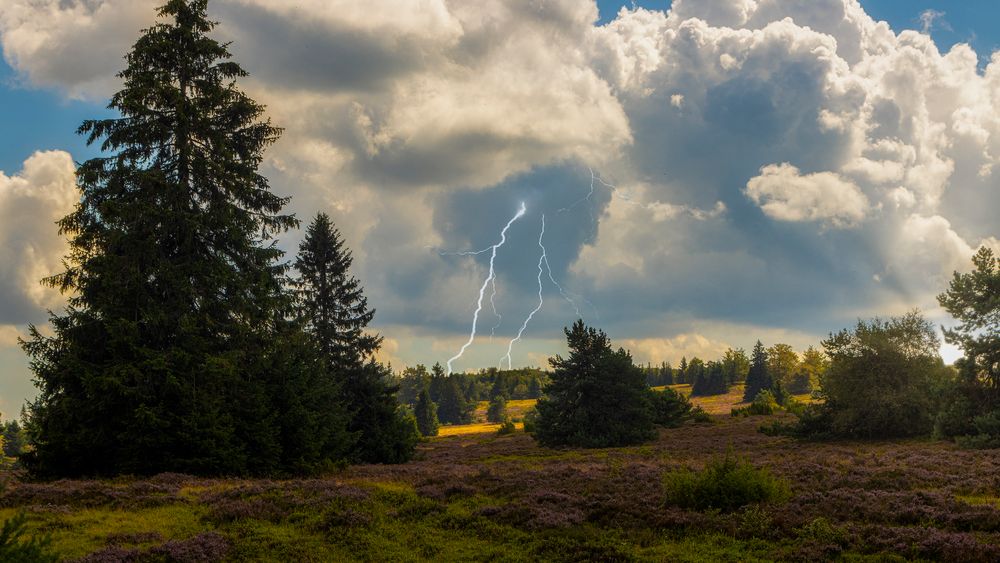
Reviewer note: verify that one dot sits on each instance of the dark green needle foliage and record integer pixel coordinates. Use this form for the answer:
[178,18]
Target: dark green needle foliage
[335,312]
[972,408]
[710,380]
[453,408]
[497,409]
[17,547]
[758,377]
[174,352]
[333,301]
[596,398]
[425,412]
[670,409]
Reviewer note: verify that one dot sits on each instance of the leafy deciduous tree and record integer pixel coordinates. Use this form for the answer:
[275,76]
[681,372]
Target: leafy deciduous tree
[782,364]
[884,379]
[736,365]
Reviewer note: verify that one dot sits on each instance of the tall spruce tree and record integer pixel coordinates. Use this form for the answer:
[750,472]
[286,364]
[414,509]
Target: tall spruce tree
[437,382]
[164,358]
[333,301]
[336,314]
[758,378]
[425,412]
[596,398]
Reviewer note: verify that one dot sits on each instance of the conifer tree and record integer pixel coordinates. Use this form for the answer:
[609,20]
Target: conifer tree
[972,407]
[681,375]
[438,380]
[973,299]
[666,374]
[497,409]
[333,301]
[453,408]
[695,372]
[335,312]
[165,357]
[596,398]
[426,414]
[711,380]
[758,378]
[534,387]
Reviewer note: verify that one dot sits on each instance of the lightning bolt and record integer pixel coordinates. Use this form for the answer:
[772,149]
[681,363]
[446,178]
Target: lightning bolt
[596,179]
[491,278]
[493,305]
[565,295]
[543,259]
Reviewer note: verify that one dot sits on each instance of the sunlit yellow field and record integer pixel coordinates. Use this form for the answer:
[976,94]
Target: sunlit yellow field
[714,404]
[474,428]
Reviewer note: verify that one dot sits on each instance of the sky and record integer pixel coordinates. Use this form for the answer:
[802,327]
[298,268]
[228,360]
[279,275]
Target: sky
[710,172]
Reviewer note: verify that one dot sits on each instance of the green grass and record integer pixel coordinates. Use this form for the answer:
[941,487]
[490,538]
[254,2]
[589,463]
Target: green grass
[398,525]
[85,530]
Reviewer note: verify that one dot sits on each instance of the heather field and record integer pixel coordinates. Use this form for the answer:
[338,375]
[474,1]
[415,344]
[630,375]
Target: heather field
[489,497]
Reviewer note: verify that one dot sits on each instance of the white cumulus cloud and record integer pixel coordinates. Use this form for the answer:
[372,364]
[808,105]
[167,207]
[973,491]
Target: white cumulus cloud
[785,194]
[31,201]
[783,152]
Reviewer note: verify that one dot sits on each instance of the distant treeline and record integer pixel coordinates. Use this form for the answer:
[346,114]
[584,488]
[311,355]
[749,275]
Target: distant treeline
[778,365]
[456,395]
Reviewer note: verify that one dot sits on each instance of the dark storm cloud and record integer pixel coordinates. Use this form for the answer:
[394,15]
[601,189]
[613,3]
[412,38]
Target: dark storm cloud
[472,220]
[319,55]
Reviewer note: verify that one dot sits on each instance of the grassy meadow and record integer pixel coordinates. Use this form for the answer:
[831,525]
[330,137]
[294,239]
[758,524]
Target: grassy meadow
[472,495]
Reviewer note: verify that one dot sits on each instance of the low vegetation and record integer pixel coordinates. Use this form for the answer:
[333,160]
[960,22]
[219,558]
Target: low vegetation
[485,496]
[726,483]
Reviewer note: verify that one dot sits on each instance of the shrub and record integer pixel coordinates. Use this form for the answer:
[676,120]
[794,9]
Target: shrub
[764,404]
[963,401]
[699,414]
[507,426]
[670,408]
[814,422]
[987,433]
[725,484]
